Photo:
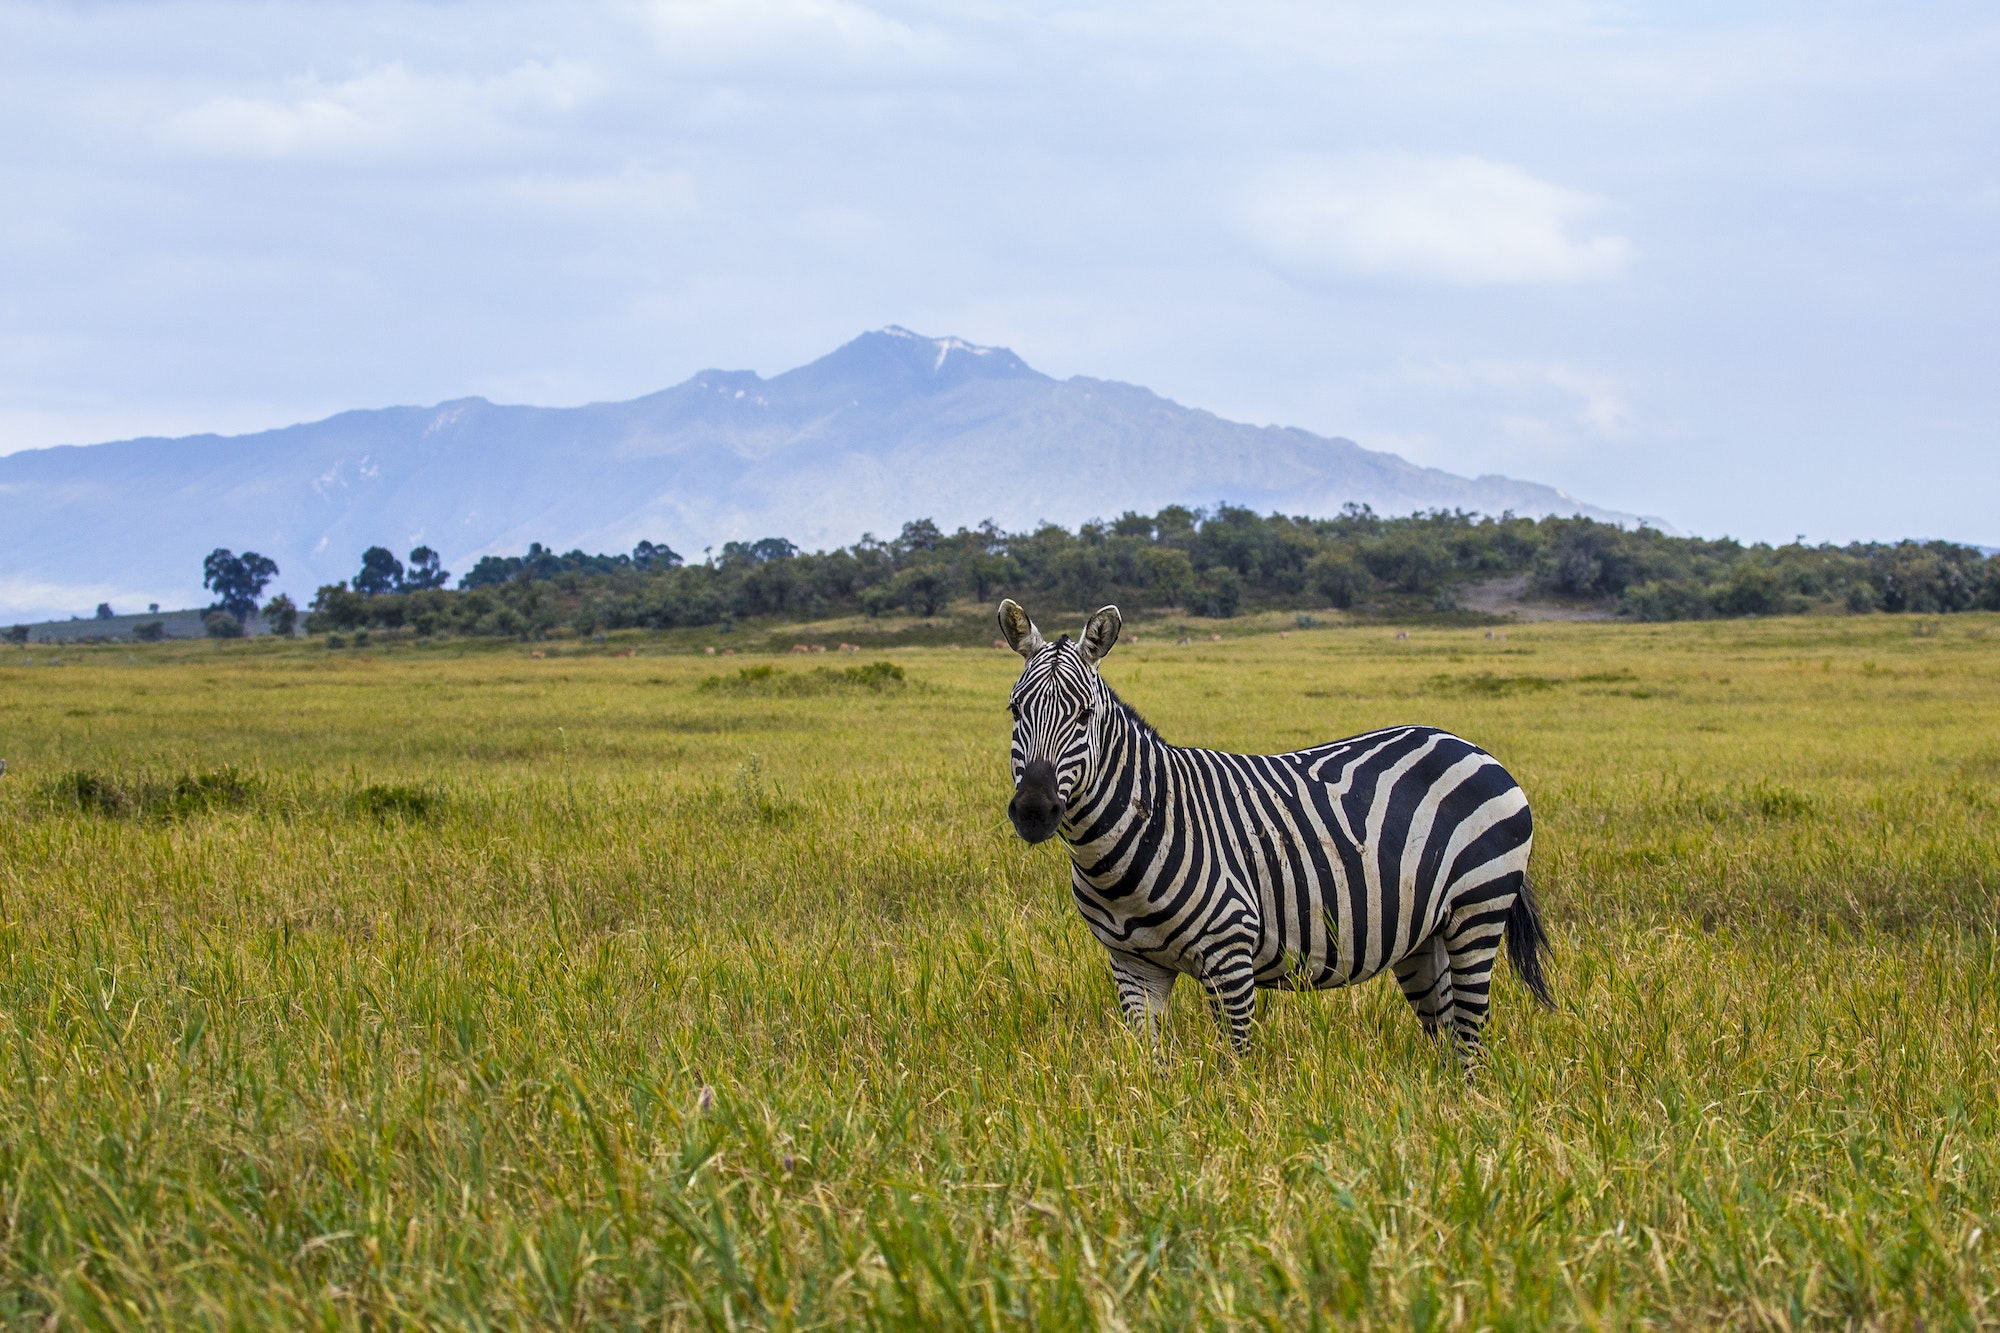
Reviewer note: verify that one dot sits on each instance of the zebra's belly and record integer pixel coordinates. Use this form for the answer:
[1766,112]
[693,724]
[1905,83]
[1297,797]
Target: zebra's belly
[1293,939]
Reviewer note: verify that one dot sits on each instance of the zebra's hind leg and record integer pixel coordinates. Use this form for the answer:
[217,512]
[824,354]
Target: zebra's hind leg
[1143,989]
[1425,976]
[1473,941]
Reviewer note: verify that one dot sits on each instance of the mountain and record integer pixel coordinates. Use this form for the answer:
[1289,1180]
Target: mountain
[892,426]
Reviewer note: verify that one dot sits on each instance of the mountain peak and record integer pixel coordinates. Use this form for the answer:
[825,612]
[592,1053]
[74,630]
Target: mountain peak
[944,347]
[895,363]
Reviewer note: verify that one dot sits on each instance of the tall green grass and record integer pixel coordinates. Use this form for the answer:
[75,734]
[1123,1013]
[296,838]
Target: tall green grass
[486,991]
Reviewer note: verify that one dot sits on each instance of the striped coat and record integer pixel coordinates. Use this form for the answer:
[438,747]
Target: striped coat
[1402,850]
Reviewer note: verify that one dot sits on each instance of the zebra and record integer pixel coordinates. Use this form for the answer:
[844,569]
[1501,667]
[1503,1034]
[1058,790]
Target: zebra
[1403,850]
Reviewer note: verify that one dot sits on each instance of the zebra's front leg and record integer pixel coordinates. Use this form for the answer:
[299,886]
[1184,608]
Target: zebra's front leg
[1143,989]
[1231,982]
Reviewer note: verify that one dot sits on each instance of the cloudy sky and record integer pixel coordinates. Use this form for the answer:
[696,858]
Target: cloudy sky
[1735,265]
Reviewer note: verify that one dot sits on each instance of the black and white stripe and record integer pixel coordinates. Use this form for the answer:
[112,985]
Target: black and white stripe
[1401,850]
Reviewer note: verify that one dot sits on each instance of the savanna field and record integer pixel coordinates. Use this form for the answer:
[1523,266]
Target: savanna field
[447,986]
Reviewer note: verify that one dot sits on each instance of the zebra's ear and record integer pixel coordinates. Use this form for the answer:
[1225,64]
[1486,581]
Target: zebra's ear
[1022,636]
[1099,633]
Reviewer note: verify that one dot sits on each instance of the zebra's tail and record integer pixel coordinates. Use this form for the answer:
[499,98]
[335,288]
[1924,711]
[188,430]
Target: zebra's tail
[1527,942]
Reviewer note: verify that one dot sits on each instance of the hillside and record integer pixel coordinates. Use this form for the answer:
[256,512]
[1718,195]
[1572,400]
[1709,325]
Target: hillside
[889,427]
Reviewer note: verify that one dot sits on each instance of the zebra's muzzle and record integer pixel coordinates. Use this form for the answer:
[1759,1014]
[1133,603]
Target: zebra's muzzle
[1036,808]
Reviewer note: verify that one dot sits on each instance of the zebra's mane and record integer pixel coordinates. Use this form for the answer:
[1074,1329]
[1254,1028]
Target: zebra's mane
[1144,727]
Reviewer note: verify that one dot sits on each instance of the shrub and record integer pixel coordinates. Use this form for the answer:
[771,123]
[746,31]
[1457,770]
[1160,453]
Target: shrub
[1336,576]
[1488,685]
[387,801]
[281,613]
[1168,573]
[152,631]
[925,590]
[149,795]
[334,607]
[222,625]
[1751,591]
[1218,593]
[1666,601]
[874,677]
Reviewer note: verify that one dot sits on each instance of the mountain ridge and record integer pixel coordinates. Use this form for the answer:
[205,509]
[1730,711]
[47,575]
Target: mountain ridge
[890,426]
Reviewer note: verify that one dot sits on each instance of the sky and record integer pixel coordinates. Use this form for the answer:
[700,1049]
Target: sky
[1733,265]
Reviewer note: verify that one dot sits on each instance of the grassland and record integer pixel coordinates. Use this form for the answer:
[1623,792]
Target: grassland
[453,987]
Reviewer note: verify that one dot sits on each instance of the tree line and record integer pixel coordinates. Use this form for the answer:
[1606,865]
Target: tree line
[1214,563]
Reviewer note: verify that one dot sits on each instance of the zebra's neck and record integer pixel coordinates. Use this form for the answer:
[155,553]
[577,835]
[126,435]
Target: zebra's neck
[1125,786]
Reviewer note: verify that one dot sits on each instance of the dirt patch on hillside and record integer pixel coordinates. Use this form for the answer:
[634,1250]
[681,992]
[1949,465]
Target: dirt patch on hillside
[1509,597]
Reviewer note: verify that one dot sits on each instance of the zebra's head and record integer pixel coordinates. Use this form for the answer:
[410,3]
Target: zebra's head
[1058,706]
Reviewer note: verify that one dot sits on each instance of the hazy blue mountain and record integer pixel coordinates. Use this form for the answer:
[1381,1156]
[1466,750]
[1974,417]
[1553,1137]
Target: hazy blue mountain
[890,427]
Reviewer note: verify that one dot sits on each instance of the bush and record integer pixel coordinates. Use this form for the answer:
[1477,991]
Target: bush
[1336,576]
[388,801]
[1168,573]
[925,590]
[334,607]
[147,795]
[222,625]
[875,677]
[1666,601]
[1407,561]
[1751,591]
[151,631]
[1218,593]
[281,614]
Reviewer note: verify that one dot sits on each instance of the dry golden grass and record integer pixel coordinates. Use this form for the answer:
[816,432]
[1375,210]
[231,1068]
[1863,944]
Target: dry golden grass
[451,987]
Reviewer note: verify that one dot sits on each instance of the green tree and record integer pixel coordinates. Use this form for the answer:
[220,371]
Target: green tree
[334,607]
[1218,593]
[987,573]
[425,571]
[648,556]
[380,572]
[236,580]
[282,615]
[1168,573]
[1337,576]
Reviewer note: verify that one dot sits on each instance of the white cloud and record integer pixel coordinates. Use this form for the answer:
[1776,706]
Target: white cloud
[761,31]
[31,599]
[1547,403]
[637,192]
[1450,220]
[390,109]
